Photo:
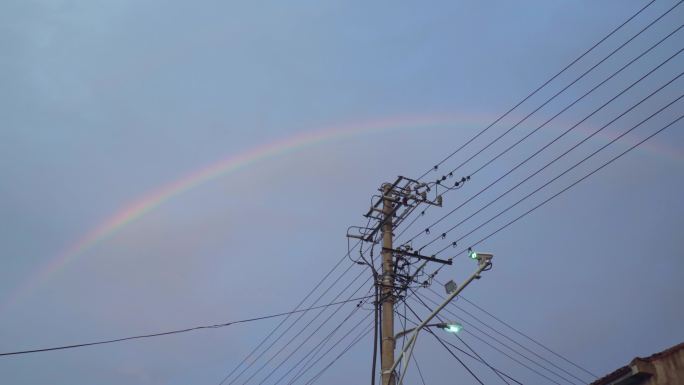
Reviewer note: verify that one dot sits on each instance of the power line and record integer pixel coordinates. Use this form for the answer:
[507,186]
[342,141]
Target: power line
[303,329]
[570,169]
[587,93]
[282,362]
[453,243]
[452,353]
[376,320]
[455,356]
[503,334]
[563,90]
[560,175]
[309,357]
[478,359]
[282,334]
[574,183]
[557,194]
[300,332]
[564,133]
[178,331]
[356,340]
[652,23]
[273,331]
[309,365]
[515,360]
[538,108]
[567,151]
[471,349]
[420,372]
[527,336]
[422,213]
[466,353]
[509,148]
[463,342]
[513,349]
[400,367]
[538,88]
[485,362]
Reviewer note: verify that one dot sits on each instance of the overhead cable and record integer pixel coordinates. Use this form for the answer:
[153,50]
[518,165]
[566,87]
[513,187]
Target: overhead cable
[480,360]
[274,330]
[302,343]
[179,331]
[564,153]
[515,360]
[300,332]
[564,89]
[514,350]
[356,340]
[567,131]
[535,341]
[292,325]
[538,88]
[454,305]
[452,353]
[312,362]
[509,223]
[569,169]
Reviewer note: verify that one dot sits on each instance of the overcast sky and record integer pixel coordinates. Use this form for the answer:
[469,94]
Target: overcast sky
[106,102]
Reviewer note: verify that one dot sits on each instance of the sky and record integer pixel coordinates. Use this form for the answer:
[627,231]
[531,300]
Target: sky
[167,164]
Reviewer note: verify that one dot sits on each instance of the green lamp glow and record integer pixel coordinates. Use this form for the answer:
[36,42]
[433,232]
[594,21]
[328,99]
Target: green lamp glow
[453,328]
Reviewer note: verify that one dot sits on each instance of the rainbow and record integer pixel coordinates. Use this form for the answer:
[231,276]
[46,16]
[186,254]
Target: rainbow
[130,212]
[138,208]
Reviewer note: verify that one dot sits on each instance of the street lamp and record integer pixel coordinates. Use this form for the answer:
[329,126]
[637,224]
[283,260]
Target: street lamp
[450,327]
[484,263]
[480,256]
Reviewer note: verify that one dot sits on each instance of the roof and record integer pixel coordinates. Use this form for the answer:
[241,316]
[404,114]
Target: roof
[625,370]
[663,354]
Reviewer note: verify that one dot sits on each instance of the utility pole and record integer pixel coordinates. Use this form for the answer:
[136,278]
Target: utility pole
[387,330]
[396,202]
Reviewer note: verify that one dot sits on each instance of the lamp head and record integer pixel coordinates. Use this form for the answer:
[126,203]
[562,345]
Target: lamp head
[452,327]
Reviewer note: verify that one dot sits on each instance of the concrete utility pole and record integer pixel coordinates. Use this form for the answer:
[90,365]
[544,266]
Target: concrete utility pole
[398,200]
[387,359]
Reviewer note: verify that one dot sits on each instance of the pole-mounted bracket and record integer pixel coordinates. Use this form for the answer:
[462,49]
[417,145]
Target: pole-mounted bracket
[416,255]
